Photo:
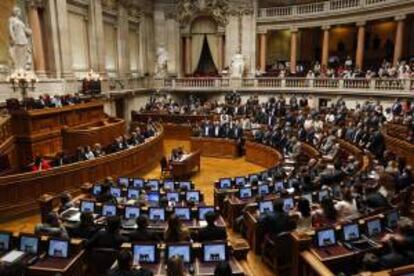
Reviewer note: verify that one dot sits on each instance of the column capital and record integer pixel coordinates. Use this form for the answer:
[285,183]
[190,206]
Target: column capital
[361,23]
[400,17]
[326,27]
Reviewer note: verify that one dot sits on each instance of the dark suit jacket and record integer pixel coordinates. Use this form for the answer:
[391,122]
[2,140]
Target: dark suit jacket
[140,272]
[212,233]
[104,239]
[276,223]
[143,235]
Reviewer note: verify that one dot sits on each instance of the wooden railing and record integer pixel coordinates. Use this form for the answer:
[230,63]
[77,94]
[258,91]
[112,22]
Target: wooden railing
[322,8]
[9,162]
[19,192]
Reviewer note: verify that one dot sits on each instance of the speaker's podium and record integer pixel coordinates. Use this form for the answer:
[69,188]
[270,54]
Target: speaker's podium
[186,166]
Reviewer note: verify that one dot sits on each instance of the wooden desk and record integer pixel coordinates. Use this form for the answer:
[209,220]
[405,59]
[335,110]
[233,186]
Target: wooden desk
[182,169]
[38,132]
[171,118]
[19,192]
[215,147]
[9,162]
[262,155]
[103,132]
[400,147]
[71,266]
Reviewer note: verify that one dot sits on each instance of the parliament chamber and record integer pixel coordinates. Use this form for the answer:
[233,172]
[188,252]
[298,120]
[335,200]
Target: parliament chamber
[206,137]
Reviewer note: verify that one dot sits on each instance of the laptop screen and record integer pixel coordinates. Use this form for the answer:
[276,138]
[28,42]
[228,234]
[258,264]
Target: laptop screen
[154,184]
[116,192]
[279,186]
[124,181]
[245,192]
[157,214]
[322,194]
[173,196]
[253,177]
[169,185]
[265,175]
[181,250]
[263,189]
[225,183]
[5,239]
[214,252]
[131,212]
[240,181]
[138,183]
[288,204]
[265,207]
[144,253]
[87,206]
[133,193]
[326,237]
[351,232]
[392,219]
[58,248]
[202,211]
[192,196]
[109,210]
[182,213]
[374,227]
[96,190]
[185,185]
[154,197]
[29,244]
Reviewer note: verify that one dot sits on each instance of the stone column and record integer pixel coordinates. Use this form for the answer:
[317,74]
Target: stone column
[293,49]
[98,44]
[187,55]
[37,38]
[359,58]
[63,37]
[399,36]
[220,46]
[325,46]
[122,34]
[262,60]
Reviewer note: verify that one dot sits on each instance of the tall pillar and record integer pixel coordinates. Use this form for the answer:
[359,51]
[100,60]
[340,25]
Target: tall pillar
[122,43]
[359,58]
[262,59]
[399,35]
[187,59]
[97,38]
[220,47]
[325,46]
[38,49]
[293,49]
[64,39]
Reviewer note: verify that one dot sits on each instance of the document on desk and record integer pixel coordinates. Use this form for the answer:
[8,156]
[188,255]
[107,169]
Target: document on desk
[185,156]
[12,256]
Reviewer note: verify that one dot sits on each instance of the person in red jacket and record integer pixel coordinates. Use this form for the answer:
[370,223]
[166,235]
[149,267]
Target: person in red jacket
[40,165]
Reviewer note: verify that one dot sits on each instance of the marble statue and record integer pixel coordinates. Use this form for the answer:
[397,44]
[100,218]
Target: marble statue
[162,62]
[237,66]
[20,51]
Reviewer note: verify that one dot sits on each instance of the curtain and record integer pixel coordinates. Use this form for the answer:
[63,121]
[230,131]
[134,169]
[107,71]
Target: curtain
[196,48]
[214,49]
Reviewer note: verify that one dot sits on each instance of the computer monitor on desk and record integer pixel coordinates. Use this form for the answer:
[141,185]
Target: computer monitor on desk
[87,206]
[325,237]
[58,248]
[96,190]
[145,253]
[131,212]
[224,183]
[173,197]
[374,227]
[156,214]
[214,252]
[192,196]
[138,183]
[265,207]
[153,197]
[123,181]
[245,193]
[169,185]
[182,250]
[153,184]
[5,241]
[185,185]
[202,211]
[133,193]
[351,232]
[115,192]
[29,244]
[240,181]
[183,213]
[109,210]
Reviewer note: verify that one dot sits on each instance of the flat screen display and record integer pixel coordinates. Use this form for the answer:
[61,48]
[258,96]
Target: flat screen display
[169,185]
[157,214]
[133,193]
[153,184]
[265,207]
[173,196]
[192,196]
[58,248]
[183,251]
[374,227]
[288,204]
[108,210]
[116,192]
[185,185]
[132,212]
[225,183]
[29,244]
[4,241]
[240,181]
[326,237]
[87,206]
[214,252]
[144,253]
[202,211]
[351,232]
[245,193]
[263,189]
[182,213]
[96,190]
[124,181]
[138,183]
[154,197]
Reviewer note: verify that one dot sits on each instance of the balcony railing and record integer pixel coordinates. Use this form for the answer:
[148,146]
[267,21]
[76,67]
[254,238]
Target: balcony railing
[322,8]
[304,84]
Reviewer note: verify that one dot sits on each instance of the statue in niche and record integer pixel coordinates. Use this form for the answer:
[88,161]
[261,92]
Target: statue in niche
[237,66]
[162,62]
[20,50]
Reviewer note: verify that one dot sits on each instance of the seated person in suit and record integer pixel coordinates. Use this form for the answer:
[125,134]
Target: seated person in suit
[65,202]
[125,267]
[277,222]
[60,160]
[52,227]
[175,231]
[105,195]
[86,228]
[109,237]
[212,232]
[223,269]
[175,266]
[326,214]
[142,233]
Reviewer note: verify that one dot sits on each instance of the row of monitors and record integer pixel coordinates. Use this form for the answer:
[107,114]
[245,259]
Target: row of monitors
[265,189]
[241,181]
[154,184]
[153,196]
[372,228]
[154,213]
[149,253]
[30,244]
